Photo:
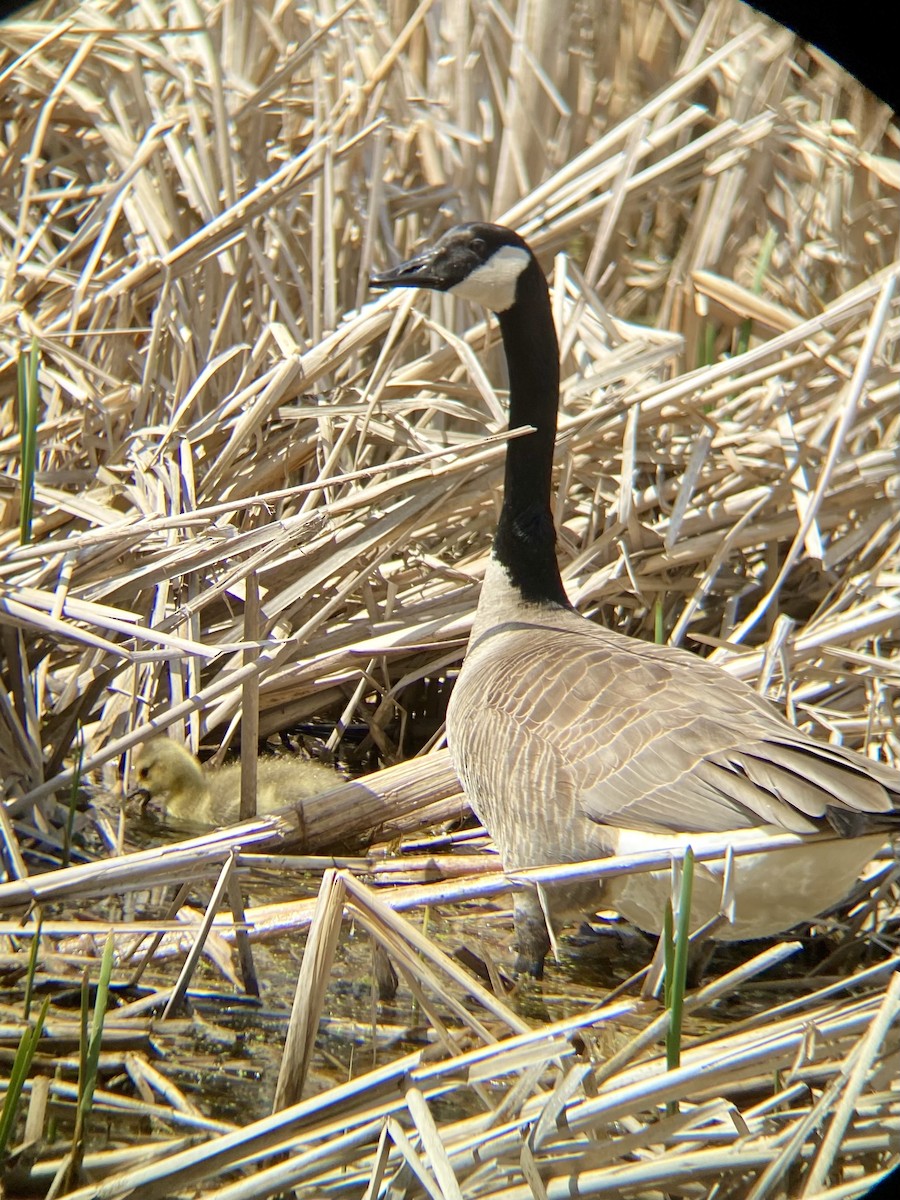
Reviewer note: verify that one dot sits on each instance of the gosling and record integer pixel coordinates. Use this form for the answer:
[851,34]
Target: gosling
[168,772]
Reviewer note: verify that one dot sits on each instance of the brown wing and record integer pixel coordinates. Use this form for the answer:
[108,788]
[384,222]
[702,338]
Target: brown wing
[646,737]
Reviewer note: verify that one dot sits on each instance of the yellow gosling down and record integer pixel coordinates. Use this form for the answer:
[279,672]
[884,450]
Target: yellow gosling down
[169,773]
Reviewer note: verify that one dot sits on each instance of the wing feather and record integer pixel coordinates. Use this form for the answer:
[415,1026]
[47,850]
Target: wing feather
[647,737]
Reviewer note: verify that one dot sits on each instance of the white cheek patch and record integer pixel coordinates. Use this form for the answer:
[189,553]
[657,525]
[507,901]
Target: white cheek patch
[493,284]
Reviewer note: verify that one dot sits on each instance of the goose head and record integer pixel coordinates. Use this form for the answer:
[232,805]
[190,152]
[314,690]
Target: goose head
[494,266]
[478,261]
[167,771]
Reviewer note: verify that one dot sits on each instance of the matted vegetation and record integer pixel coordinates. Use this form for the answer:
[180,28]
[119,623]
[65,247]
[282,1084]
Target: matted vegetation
[202,401]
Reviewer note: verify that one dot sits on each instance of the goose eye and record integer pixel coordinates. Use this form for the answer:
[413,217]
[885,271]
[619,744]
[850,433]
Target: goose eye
[478,245]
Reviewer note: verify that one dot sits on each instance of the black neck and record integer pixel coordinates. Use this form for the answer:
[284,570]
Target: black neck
[525,542]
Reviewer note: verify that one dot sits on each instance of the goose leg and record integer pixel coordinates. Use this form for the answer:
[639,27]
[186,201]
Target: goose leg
[532,939]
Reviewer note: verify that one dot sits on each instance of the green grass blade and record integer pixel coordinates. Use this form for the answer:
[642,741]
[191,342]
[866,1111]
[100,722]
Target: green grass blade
[762,266]
[668,934]
[765,258]
[675,987]
[32,967]
[28,422]
[28,1044]
[91,1059]
[706,350]
[73,798]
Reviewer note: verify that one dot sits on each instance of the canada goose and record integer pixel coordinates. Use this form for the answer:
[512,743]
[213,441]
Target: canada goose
[574,742]
[167,771]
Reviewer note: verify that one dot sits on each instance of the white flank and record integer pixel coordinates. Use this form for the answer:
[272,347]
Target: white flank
[771,891]
[494,283]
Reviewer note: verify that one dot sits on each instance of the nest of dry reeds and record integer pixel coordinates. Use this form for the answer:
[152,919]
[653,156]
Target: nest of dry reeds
[242,497]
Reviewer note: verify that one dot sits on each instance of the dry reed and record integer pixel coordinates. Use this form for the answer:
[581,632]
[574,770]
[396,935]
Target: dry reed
[193,194]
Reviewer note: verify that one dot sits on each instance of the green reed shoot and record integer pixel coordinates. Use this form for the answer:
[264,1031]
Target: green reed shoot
[73,797]
[763,263]
[28,1044]
[659,628]
[28,422]
[32,968]
[676,945]
[91,1040]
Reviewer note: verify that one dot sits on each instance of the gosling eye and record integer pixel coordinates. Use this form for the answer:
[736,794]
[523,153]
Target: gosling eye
[143,772]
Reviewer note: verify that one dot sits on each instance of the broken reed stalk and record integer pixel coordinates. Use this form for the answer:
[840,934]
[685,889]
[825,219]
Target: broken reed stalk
[176,998]
[312,982]
[193,219]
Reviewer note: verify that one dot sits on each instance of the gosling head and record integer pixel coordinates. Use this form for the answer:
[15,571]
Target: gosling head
[478,262]
[167,771]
